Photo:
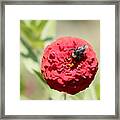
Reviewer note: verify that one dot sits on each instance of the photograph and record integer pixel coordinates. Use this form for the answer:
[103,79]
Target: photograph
[59,59]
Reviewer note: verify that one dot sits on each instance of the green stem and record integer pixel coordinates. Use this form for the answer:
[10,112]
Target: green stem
[65,96]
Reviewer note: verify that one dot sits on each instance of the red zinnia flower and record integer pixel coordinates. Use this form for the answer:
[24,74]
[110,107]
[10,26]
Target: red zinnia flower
[69,65]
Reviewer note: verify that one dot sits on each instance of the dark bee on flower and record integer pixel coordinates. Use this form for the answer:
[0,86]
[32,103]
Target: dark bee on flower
[78,53]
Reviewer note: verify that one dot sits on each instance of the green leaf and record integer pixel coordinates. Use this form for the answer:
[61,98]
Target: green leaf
[41,26]
[48,39]
[22,86]
[26,31]
[30,54]
[37,44]
[33,22]
[39,75]
[23,49]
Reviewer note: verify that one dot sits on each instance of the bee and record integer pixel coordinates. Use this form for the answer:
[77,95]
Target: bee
[78,53]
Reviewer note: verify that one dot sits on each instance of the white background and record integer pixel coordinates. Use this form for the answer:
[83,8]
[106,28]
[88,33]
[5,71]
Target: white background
[104,106]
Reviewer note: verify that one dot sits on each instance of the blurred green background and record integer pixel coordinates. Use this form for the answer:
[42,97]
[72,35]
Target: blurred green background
[35,35]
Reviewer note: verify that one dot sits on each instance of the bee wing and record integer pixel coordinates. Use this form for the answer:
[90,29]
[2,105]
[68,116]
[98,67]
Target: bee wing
[86,46]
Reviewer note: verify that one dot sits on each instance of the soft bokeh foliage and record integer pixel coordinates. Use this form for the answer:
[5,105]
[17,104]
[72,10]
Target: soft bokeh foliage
[35,35]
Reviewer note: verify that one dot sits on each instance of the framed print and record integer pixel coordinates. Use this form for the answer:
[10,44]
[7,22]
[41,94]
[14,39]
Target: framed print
[60,60]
